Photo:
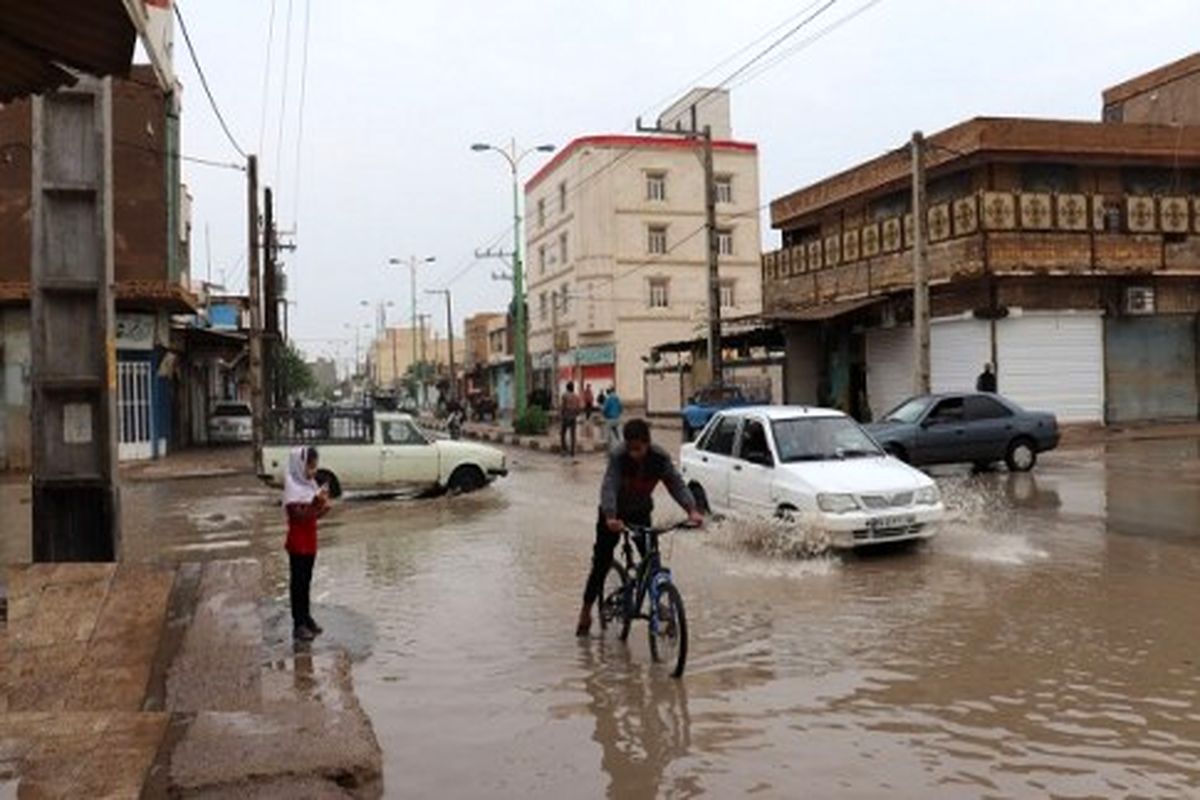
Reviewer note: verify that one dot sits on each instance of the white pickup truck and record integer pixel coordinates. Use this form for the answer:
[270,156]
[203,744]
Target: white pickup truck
[385,452]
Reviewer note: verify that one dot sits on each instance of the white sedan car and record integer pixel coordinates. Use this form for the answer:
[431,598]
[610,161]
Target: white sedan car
[815,465]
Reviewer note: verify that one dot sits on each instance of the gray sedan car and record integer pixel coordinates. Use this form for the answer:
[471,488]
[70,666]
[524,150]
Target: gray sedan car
[978,428]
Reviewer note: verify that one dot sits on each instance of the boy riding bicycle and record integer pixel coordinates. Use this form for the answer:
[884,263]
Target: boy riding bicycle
[635,468]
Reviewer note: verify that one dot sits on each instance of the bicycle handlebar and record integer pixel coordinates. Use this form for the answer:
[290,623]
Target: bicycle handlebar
[683,525]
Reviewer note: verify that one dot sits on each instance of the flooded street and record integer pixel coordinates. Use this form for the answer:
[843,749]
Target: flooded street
[1043,645]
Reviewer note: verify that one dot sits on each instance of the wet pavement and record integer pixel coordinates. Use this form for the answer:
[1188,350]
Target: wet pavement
[1043,645]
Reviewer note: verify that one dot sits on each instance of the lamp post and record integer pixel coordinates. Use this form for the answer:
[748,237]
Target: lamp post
[449,339]
[514,157]
[411,262]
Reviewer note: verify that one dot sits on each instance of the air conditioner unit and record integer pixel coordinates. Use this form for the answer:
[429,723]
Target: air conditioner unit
[1139,300]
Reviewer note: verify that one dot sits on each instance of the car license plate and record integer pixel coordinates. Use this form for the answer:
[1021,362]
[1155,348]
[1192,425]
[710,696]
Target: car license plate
[893,521]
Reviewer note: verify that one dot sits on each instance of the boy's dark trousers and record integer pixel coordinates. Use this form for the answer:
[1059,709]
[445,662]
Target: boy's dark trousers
[602,555]
[301,581]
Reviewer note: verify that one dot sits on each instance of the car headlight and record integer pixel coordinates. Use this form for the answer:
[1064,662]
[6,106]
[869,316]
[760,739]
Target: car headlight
[928,496]
[837,503]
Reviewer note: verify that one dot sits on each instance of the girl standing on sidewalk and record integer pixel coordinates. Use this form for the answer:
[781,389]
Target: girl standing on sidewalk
[304,502]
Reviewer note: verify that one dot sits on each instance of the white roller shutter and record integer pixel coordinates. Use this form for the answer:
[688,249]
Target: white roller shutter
[889,369]
[1053,362]
[958,350]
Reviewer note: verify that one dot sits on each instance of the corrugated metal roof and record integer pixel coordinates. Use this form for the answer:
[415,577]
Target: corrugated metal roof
[42,40]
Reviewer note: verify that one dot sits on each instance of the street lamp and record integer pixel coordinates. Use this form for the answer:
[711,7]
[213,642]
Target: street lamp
[411,262]
[514,157]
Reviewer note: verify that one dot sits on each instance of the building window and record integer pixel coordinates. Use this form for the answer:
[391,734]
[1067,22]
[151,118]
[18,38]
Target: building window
[656,186]
[727,296]
[542,258]
[656,241]
[562,248]
[565,298]
[725,241]
[724,189]
[659,293]
[541,212]
[562,197]
[542,306]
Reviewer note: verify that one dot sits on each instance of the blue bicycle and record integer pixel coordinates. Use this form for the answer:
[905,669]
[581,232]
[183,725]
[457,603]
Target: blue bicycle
[627,587]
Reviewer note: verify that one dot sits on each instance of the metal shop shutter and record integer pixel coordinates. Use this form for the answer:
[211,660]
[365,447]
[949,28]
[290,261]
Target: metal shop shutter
[1151,366]
[889,368]
[1053,362]
[958,350]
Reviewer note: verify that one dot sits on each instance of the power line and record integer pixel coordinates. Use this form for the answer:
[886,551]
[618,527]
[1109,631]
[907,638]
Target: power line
[287,57]
[262,125]
[808,42]
[731,57]
[208,162]
[204,81]
[300,125]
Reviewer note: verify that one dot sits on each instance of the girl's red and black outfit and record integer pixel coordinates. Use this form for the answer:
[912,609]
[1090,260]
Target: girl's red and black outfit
[301,548]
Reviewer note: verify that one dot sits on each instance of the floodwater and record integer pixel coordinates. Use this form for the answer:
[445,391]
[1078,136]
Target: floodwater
[1044,644]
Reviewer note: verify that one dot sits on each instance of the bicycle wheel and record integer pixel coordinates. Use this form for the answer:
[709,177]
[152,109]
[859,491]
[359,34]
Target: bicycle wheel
[670,642]
[613,620]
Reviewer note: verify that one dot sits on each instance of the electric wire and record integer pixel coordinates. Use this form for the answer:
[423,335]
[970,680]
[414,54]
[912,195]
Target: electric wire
[266,92]
[204,81]
[283,95]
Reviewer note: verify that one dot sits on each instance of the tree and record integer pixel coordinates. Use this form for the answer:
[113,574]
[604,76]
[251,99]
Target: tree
[295,375]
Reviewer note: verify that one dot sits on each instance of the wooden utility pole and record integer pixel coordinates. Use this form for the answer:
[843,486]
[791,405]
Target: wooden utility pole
[449,338]
[704,136]
[424,365]
[256,330]
[74,428]
[921,381]
[270,305]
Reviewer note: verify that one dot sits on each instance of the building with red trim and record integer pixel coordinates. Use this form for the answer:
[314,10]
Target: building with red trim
[616,258]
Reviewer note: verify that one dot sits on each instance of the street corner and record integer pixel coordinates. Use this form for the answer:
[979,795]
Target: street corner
[311,738]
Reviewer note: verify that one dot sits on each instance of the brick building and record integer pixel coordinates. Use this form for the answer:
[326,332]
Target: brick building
[150,218]
[1065,252]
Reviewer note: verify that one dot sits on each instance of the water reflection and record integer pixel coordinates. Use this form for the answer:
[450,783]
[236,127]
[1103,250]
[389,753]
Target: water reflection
[642,723]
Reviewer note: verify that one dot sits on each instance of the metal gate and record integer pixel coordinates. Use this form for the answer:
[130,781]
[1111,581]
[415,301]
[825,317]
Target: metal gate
[135,432]
[1150,364]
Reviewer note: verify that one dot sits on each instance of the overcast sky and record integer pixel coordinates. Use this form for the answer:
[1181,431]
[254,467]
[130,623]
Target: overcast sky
[397,92]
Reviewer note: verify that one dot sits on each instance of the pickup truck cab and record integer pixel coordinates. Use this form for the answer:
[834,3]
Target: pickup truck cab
[814,466]
[389,452]
[706,402]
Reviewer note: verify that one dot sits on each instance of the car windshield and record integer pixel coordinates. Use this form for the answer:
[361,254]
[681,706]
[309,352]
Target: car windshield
[909,411]
[232,410]
[821,439]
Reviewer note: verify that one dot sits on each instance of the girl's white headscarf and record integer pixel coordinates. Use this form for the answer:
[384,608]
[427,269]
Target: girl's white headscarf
[297,486]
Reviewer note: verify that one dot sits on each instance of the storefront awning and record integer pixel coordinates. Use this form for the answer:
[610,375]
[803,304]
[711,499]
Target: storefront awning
[43,41]
[824,311]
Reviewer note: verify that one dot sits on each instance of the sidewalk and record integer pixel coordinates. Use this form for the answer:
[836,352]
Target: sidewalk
[207,462]
[590,438]
[140,680]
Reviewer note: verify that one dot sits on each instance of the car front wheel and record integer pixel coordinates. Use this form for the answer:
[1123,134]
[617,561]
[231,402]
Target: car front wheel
[1022,455]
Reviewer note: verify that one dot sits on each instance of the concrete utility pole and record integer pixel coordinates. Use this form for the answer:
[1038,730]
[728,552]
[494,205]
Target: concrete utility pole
[449,338]
[520,344]
[921,381]
[74,354]
[704,136]
[256,332]
[553,349]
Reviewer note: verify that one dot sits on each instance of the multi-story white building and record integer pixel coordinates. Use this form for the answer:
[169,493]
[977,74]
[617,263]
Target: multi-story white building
[616,245]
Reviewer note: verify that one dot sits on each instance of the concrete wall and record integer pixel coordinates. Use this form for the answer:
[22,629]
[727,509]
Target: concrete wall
[139,183]
[802,366]
[608,269]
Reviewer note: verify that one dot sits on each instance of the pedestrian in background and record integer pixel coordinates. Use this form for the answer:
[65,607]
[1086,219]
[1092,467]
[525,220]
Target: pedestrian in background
[589,402]
[611,410]
[986,382]
[569,416]
[304,502]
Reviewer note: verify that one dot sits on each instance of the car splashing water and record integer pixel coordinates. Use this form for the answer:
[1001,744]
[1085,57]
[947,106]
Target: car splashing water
[797,536]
